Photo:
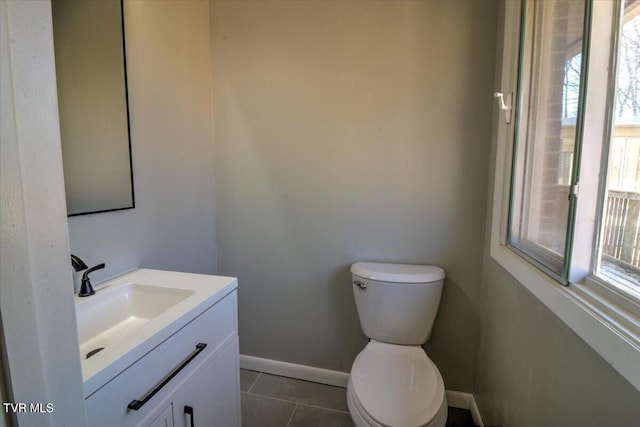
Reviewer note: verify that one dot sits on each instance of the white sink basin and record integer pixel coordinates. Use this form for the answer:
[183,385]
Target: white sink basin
[132,314]
[114,314]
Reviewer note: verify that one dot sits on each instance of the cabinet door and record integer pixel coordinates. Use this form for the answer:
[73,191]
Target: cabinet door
[165,419]
[211,397]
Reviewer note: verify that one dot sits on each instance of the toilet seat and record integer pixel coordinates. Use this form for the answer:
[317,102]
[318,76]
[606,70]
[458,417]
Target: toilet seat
[361,418]
[396,386]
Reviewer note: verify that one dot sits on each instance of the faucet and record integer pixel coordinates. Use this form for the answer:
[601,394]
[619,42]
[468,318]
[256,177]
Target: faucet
[78,265]
[85,288]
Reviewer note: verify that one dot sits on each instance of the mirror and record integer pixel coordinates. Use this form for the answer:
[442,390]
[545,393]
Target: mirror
[92,102]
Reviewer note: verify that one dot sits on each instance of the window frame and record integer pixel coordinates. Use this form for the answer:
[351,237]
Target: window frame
[553,264]
[606,318]
[598,277]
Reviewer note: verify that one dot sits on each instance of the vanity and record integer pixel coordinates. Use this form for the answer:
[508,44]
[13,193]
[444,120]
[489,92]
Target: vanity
[163,350]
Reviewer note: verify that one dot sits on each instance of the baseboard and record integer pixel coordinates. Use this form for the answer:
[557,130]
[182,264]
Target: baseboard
[455,399]
[458,399]
[293,370]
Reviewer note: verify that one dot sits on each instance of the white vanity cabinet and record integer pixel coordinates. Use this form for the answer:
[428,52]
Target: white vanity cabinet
[191,379]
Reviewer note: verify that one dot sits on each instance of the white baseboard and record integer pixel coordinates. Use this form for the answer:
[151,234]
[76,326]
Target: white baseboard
[456,399]
[292,370]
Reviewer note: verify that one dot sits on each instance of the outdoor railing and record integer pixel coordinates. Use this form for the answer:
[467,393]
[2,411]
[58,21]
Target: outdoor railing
[621,233]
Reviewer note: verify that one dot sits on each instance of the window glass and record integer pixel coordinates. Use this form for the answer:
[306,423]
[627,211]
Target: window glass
[619,254]
[547,119]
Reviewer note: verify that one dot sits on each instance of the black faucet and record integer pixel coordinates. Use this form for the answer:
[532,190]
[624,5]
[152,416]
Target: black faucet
[78,265]
[85,288]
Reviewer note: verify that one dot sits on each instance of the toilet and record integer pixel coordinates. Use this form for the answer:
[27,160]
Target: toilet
[393,383]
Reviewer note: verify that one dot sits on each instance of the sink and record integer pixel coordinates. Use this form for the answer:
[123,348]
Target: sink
[132,314]
[115,314]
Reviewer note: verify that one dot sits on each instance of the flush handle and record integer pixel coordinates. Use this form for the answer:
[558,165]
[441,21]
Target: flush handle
[360,284]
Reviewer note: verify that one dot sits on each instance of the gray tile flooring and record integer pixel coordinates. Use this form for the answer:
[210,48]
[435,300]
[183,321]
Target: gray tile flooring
[273,401]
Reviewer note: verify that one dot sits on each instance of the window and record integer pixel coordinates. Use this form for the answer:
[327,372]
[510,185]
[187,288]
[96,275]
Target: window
[548,114]
[566,199]
[548,137]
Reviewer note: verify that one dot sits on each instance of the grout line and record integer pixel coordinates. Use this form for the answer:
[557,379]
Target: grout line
[296,403]
[303,380]
[292,414]
[323,408]
[254,382]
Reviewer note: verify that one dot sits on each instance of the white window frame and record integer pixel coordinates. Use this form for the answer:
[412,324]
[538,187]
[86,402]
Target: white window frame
[608,320]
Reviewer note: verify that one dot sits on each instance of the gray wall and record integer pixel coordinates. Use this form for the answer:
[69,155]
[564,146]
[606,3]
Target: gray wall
[532,369]
[350,131]
[169,75]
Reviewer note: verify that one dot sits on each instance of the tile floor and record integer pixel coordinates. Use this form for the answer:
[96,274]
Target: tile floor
[273,401]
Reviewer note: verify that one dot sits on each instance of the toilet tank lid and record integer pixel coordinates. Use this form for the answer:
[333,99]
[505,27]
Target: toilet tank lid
[397,273]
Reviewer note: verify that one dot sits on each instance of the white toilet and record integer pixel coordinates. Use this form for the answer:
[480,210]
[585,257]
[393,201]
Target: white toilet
[393,382]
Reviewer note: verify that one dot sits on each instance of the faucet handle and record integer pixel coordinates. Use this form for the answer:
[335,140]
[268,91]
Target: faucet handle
[77,263]
[85,276]
[85,288]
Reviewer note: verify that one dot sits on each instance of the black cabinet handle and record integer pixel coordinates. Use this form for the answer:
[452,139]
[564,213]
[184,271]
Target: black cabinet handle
[137,404]
[189,411]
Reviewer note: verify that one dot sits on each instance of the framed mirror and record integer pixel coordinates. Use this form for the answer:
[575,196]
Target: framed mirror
[93,107]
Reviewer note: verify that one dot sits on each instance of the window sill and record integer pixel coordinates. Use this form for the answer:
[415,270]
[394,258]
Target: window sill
[591,310]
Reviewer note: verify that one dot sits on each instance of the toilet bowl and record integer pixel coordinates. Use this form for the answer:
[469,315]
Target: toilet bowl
[396,385]
[393,383]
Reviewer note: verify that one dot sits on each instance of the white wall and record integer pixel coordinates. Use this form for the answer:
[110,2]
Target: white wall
[349,131]
[169,75]
[38,320]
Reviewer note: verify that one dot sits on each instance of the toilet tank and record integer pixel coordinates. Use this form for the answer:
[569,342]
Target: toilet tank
[397,303]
